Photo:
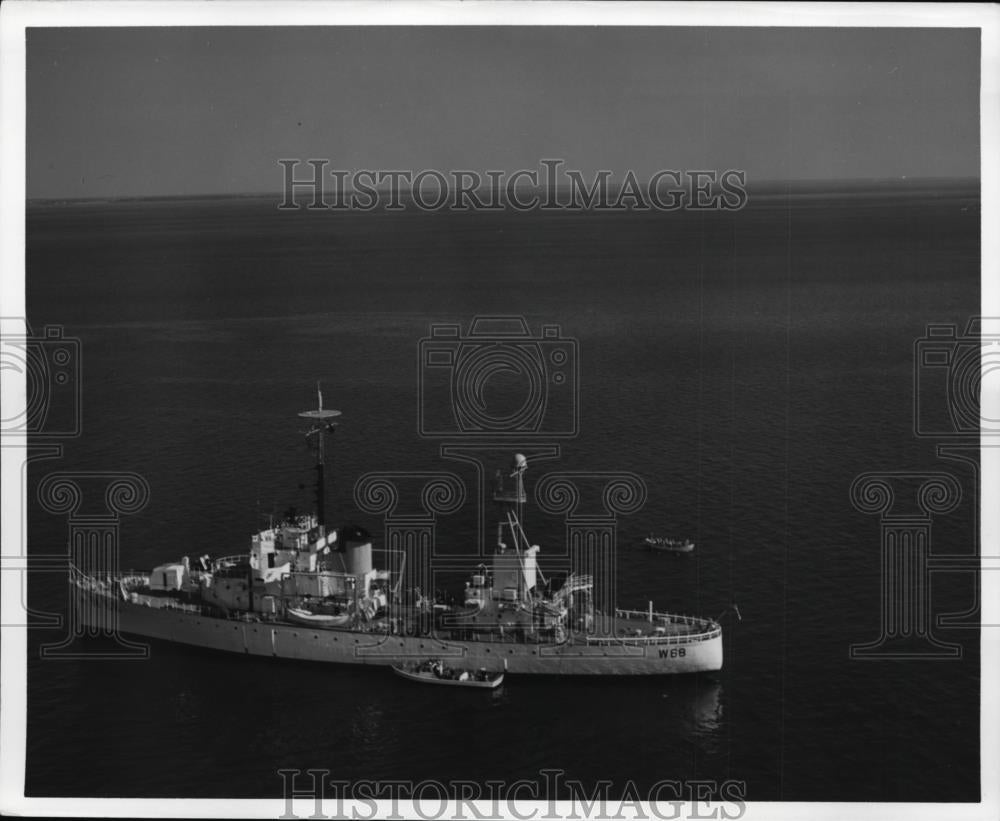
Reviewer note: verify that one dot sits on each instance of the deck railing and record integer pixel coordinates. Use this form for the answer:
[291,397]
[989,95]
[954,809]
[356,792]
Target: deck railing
[235,559]
[644,641]
[663,618]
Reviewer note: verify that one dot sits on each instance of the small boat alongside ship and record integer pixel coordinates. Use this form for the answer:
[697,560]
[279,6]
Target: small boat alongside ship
[666,545]
[434,671]
[313,619]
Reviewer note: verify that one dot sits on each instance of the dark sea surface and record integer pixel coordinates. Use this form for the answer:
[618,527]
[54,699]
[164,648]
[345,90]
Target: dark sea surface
[747,365]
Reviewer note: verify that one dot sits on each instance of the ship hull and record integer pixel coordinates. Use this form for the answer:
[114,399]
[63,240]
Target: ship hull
[684,654]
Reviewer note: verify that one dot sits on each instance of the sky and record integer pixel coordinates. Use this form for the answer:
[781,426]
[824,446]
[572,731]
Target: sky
[181,111]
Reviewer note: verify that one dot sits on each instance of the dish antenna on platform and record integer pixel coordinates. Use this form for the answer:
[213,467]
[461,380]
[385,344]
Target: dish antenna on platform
[319,413]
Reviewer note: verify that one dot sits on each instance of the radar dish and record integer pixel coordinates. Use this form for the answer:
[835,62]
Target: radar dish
[320,414]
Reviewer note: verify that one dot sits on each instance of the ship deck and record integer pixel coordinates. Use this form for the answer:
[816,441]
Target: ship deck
[625,627]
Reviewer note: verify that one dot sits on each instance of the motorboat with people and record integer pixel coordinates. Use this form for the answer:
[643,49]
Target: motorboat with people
[434,671]
[665,545]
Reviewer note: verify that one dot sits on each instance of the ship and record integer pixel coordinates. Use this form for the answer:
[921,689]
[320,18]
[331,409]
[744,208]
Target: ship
[308,592]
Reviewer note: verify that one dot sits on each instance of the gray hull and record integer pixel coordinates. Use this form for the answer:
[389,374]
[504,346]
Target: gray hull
[681,654]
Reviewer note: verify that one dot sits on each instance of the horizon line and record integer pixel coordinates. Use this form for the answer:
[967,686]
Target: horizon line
[770,185]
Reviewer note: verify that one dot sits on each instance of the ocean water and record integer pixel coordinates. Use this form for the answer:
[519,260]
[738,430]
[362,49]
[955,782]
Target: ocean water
[748,366]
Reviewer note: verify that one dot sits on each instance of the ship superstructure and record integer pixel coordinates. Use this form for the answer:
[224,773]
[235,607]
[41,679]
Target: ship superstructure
[304,590]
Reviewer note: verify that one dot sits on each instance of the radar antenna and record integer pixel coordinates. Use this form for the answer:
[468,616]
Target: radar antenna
[321,426]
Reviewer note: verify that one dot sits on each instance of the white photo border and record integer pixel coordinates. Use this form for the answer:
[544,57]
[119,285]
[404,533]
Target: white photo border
[17,15]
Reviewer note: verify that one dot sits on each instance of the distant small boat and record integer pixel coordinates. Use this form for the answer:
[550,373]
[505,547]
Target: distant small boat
[434,672]
[669,545]
[317,619]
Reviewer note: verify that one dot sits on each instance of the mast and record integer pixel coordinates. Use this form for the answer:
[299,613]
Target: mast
[512,502]
[321,426]
[520,466]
